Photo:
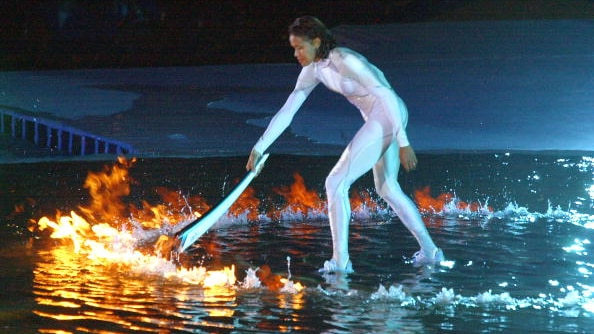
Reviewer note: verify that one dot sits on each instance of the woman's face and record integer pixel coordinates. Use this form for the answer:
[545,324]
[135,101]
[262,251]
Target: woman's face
[305,49]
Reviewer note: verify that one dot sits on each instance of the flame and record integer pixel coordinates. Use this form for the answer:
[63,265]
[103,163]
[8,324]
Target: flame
[246,203]
[174,209]
[276,282]
[73,227]
[19,208]
[362,201]
[99,232]
[225,277]
[299,199]
[107,189]
[429,204]
[272,281]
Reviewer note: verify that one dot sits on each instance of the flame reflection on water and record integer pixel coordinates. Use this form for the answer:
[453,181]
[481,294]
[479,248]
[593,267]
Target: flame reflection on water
[120,289]
[68,287]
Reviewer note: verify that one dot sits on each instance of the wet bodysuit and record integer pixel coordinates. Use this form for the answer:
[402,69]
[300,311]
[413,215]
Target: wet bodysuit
[375,145]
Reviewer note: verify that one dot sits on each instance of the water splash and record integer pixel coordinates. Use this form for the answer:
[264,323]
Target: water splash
[447,298]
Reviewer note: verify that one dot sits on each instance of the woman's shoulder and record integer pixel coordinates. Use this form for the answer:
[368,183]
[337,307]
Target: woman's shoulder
[344,54]
[342,51]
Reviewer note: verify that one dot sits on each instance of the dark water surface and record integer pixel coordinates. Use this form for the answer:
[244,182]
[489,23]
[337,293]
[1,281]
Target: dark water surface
[523,266]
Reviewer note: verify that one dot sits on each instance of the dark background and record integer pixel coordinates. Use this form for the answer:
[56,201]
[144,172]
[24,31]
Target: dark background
[124,33]
[65,34]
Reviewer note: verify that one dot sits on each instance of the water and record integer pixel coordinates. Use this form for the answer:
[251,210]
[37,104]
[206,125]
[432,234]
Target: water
[524,265]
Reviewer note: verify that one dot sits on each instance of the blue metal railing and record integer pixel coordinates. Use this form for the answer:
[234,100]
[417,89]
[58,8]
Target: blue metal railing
[55,135]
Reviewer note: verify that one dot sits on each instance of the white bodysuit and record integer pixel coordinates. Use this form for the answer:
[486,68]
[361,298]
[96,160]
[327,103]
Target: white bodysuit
[375,146]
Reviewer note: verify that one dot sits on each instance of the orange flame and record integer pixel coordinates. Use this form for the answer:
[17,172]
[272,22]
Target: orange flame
[361,201]
[298,198]
[73,227]
[247,202]
[107,189]
[271,280]
[429,204]
[176,208]
[95,231]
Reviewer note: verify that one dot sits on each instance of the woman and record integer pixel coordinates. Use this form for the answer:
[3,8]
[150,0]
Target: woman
[381,144]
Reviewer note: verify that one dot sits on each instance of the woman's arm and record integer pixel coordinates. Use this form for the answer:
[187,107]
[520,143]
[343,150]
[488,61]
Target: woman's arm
[283,118]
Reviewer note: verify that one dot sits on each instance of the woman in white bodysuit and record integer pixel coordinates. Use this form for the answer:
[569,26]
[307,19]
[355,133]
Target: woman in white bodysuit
[381,144]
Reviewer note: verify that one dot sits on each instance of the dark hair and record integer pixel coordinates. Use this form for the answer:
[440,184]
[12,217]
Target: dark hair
[310,27]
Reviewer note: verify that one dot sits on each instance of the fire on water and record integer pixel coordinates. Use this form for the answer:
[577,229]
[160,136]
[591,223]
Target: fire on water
[109,231]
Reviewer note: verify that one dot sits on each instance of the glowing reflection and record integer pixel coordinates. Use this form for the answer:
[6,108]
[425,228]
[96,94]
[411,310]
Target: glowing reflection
[584,271]
[103,277]
[99,269]
[578,247]
[70,288]
[220,301]
[292,302]
[590,191]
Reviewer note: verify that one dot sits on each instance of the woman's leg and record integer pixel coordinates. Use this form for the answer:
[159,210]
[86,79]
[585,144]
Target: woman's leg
[385,174]
[364,150]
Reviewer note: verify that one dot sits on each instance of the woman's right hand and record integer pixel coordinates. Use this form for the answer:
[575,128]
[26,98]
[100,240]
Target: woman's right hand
[253,160]
[408,158]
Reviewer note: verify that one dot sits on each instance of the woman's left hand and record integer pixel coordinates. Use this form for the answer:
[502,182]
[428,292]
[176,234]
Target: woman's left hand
[408,158]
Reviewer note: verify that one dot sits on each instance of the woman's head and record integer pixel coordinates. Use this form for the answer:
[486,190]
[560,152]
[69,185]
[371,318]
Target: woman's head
[311,39]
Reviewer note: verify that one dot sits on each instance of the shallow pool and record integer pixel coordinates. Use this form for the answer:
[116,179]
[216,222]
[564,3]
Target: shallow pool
[516,229]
